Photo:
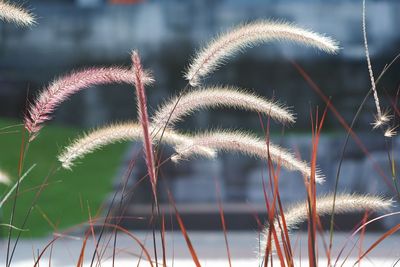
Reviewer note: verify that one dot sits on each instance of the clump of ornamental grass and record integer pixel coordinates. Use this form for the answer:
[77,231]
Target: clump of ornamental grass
[204,63]
[14,13]
[344,203]
[160,127]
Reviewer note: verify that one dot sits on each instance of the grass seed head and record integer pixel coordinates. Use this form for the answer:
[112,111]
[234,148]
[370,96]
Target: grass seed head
[219,96]
[219,50]
[16,14]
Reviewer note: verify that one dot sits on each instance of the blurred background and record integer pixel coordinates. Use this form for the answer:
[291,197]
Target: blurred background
[73,34]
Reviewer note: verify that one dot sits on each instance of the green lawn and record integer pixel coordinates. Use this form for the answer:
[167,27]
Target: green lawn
[65,201]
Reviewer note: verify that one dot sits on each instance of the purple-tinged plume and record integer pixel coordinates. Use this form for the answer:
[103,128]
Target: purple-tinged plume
[56,93]
[144,120]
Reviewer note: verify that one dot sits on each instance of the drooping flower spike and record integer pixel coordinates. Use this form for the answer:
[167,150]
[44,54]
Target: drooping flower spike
[218,96]
[115,133]
[247,144]
[61,89]
[228,44]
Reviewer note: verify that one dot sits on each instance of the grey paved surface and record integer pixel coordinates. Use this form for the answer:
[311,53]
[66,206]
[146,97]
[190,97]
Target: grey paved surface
[209,246]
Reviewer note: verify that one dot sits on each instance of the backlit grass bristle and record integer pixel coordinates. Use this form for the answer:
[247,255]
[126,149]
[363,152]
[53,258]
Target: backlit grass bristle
[247,144]
[216,96]
[381,120]
[218,51]
[391,132]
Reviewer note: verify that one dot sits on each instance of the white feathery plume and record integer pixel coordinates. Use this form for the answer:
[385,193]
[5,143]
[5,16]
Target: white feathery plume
[4,178]
[14,13]
[247,144]
[344,203]
[129,131]
[226,45]
[218,97]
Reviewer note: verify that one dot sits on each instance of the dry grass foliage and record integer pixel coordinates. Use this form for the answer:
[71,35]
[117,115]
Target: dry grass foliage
[159,128]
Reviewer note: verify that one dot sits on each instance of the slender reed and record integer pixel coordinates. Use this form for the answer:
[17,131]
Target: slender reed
[246,144]
[16,14]
[169,113]
[14,187]
[218,51]
[381,118]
